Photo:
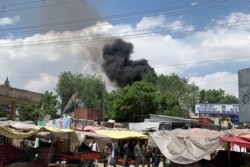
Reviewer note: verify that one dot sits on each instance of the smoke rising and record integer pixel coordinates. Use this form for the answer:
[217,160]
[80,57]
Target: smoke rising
[117,64]
[66,15]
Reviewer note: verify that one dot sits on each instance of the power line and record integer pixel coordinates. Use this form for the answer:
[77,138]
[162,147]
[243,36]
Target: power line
[201,62]
[34,7]
[19,4]
[87,22]
[163,66]
[135,34]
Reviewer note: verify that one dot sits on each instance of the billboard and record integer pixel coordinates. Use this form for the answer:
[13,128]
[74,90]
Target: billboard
[210,108]
[244,94]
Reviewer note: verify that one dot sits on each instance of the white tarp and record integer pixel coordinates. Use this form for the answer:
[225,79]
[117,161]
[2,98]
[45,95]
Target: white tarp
[143,126]
[184,146]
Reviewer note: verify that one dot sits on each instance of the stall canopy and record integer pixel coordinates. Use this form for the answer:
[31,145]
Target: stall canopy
[242,139]
[21,131]
[185,146]
[236,140]
[82,136]
[121,134]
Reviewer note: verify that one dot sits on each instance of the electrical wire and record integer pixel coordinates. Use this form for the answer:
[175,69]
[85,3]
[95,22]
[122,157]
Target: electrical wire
[139,33]
[134,34]
[202,62]
[87,22]
[5,10]
[183,64]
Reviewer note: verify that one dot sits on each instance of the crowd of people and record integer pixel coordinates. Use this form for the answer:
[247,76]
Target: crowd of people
[130,151]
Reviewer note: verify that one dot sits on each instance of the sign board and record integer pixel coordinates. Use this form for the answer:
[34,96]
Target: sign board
[244,94]
[209,108]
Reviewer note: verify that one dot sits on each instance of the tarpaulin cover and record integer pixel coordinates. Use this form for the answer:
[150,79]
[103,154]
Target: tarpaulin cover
[90,128]
[83,135]
[121,134]
[245,136]
[242,139]
[59,123]
[236,140]
[16,133]
[184,146]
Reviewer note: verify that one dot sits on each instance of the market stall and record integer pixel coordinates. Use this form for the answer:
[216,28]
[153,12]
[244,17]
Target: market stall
[84,156]
[22,131]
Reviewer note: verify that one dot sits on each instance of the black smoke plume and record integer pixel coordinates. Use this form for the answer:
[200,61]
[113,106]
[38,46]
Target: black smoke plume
[118,66]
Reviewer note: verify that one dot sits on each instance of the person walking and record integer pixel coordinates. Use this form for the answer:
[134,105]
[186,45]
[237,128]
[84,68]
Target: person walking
[94,147]
[116,150]
[111,155]
[105,154]
[137,153]
[146,151]
[125,154]
[157,156]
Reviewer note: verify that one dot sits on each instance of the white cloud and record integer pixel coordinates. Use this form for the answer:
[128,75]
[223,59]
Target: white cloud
[219,80]
[42,83]
[179,25]
[34,68]
[235,20]
[149,23]
[9,20]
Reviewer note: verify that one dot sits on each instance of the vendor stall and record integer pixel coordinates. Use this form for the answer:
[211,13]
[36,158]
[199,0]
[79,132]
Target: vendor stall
[24,131]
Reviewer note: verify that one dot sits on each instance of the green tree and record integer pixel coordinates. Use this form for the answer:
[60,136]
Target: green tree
[132,103]
[217,96]
[168,104]
[51,104]
[32,111]
[91,89]
[28,112]
[202,96]
[175,94]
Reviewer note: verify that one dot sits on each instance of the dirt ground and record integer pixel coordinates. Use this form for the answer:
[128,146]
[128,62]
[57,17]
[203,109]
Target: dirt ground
[101,165]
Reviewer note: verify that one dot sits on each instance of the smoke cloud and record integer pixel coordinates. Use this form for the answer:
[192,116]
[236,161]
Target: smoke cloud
[117,64]
[57,15]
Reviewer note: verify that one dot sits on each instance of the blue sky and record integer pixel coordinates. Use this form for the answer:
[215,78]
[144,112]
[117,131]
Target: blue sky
[205,41]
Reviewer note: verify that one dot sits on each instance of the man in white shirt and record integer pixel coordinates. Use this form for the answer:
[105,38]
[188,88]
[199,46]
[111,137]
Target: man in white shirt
[94,147]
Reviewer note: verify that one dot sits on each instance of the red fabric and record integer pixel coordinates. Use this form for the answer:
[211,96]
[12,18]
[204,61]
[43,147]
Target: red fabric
[9,152]
[245,136]
[236,140]
[1,163]
[80,156]
[130,161]
[45,154]
[90,128]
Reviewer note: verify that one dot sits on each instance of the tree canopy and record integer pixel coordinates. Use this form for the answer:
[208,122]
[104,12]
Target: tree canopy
[132,103]
[163,94]
[33,111]
[176,96]
[91,89]
[216,96]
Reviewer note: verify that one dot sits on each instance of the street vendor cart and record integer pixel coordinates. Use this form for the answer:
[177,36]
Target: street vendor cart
[82,159]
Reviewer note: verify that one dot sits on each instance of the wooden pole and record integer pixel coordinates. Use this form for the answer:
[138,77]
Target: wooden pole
[229,157]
